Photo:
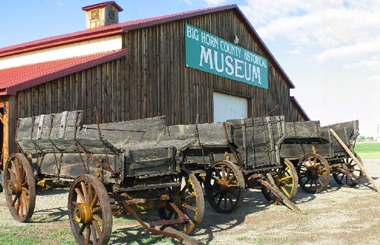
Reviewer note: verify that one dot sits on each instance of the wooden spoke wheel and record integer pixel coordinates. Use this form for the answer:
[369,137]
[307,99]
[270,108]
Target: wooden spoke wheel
[349,165]
[89,210]
[225,186]
[313,173]
[286,180]
[189,199]
[19,187]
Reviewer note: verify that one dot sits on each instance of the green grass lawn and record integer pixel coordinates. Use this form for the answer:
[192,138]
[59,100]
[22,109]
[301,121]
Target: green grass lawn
[368,150]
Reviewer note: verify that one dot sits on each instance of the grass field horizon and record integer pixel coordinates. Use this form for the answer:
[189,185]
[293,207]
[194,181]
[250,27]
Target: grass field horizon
[368,150]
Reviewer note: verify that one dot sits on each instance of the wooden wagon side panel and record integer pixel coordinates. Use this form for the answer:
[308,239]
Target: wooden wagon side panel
[347,131]
[302,138]
[257,140]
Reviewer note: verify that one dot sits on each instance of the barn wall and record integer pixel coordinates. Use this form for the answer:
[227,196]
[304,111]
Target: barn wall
[153,80]
[102,87]
[164,85]
[295,115]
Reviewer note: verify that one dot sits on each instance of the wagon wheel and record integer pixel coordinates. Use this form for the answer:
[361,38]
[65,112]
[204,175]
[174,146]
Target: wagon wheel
[19,187]
[225,186]
[286,180]
[313,173]
[189,198]
[89,210]
[349,165]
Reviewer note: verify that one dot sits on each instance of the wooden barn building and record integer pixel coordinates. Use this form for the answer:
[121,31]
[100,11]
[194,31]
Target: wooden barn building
[206,65]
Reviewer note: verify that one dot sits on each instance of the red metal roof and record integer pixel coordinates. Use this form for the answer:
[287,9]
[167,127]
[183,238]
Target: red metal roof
[104,31]
[120,28]
[16,79]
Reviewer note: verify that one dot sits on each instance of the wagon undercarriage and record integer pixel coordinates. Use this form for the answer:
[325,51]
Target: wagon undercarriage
[141,165]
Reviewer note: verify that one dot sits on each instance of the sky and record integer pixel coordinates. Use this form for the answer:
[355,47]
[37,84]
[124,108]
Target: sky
[330,49]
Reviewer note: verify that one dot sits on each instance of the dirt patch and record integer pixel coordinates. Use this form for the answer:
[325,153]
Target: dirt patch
[339,215]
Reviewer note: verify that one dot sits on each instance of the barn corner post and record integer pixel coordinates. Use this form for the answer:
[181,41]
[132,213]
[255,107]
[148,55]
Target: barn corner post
[3,137]
[2,120]
[7,129]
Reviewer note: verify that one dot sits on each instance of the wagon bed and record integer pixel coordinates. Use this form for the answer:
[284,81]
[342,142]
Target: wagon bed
[348,132]
[125,165]
[130,148]
[316,153]
[227,155]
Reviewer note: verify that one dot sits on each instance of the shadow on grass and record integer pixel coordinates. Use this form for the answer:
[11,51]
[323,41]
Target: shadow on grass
[212,224]
[49,215]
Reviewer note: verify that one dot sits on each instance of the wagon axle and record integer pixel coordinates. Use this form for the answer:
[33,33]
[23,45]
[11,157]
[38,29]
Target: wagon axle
[83,213]
[16,187]
[150,227]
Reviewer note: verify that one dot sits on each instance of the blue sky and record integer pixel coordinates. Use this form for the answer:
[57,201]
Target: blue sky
[330,49]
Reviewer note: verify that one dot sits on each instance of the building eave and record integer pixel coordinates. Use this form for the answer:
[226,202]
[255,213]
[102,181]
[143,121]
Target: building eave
[299,108]
[18,78]
[59,41]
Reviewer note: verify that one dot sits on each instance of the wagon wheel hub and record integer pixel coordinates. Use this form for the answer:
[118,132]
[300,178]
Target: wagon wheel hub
[312,173]
[83,213]
[16,187]
[223,185]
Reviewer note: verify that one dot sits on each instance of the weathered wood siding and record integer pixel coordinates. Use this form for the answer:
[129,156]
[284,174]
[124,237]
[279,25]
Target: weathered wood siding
[164,85]
[103,87]
[153,80]
[295,115]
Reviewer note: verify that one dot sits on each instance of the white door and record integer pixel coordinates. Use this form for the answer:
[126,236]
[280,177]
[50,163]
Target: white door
[229,107]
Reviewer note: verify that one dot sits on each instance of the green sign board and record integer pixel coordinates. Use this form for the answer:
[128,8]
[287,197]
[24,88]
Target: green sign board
[212,54]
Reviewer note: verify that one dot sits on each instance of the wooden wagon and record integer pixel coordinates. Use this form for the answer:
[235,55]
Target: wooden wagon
[317,154]
[111,168]
[344,170]
[238,154]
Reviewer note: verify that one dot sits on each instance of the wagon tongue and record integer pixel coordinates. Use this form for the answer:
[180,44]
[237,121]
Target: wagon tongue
[165,230]
[269,183]
[186,239]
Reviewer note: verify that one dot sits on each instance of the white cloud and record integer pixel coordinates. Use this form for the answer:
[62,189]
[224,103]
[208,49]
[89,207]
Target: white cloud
[332,48]
[295,51]
[375,78]
[360,50]
[340,29]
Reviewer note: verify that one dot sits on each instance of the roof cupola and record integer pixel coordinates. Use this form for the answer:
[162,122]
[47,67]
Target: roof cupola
[102,14]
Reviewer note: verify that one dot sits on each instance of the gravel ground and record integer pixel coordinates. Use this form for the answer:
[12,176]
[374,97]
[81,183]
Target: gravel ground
[339,215]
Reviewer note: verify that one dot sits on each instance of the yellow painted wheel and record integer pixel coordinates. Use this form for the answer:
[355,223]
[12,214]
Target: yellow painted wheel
[286,180]
[89,211]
